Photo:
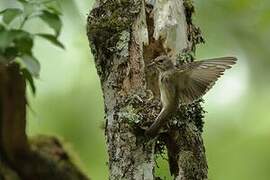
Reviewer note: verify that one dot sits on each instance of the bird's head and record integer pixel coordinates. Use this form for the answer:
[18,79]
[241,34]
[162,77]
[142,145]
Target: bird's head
[162,63]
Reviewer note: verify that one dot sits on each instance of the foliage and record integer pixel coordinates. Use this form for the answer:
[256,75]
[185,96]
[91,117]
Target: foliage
[16,44]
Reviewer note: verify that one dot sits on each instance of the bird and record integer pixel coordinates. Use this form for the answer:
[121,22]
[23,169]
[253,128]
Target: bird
[184,84]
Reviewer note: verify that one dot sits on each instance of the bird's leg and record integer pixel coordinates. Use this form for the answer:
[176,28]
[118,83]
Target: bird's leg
[150,95]
[163,116]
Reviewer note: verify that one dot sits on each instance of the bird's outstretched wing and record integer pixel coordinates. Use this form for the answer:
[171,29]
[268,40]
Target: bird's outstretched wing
[196,78]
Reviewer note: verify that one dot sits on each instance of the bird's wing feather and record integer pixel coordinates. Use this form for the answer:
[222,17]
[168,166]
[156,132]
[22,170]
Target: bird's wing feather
[196,78]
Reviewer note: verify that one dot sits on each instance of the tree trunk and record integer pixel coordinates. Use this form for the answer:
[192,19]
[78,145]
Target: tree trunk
[116,37]
[124,37]
[13,112]
[42,158]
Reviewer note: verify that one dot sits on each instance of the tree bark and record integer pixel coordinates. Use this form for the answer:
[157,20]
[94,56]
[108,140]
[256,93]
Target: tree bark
[13,112]
[115,34]
[124,37]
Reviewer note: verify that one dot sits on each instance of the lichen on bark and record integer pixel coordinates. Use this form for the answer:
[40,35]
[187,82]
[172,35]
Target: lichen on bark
[116,44]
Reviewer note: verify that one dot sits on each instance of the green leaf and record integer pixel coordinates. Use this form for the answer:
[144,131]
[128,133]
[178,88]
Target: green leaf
[5,40]
[53,7]
[10,14]
[23,41]
[29,9]
[2,27]
[31,64]
[27,75]
[53,39]
[22,1]
[54,10]
[10,53]
[53,20]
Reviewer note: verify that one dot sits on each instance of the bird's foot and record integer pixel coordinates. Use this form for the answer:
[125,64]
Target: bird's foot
[150,95]
[137,97]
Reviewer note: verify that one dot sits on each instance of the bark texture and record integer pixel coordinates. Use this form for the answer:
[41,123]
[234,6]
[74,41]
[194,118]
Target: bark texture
[125,35]
[114,30]
[41,158]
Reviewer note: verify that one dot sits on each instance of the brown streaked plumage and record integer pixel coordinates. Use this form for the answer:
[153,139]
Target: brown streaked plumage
[185,84]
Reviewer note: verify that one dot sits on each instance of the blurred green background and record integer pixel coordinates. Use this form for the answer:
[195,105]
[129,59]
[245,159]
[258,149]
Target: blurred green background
[237,130]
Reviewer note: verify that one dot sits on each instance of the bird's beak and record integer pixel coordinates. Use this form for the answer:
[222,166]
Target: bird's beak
[151,64]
